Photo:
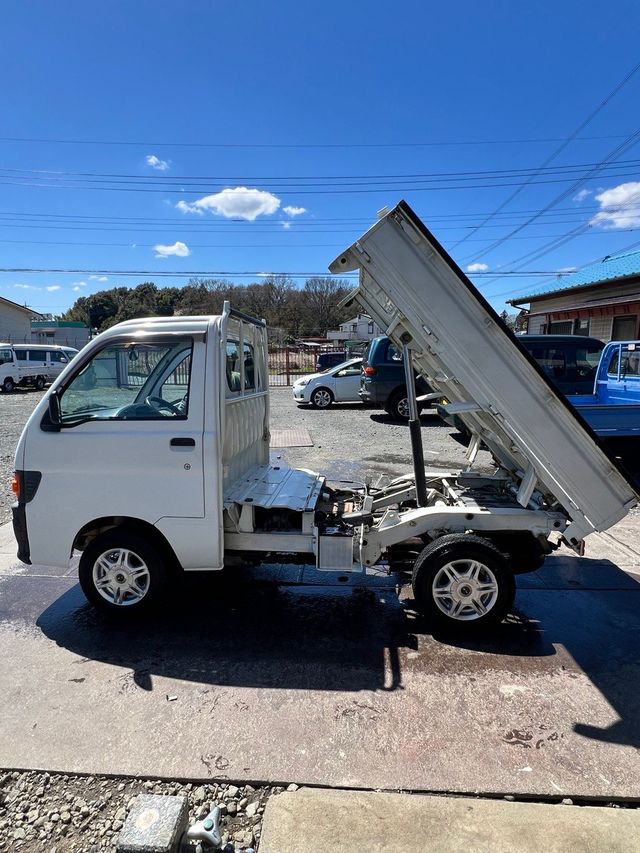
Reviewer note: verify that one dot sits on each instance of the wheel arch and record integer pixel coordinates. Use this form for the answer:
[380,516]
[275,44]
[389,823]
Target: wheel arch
[326,388]
[92,529]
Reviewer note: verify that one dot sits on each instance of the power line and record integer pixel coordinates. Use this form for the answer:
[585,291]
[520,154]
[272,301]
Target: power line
[333,191]
[291,245]
[140,183]
[557,151]
[292,145]
[212,273]
[51,174]
[307,221]
[620,149]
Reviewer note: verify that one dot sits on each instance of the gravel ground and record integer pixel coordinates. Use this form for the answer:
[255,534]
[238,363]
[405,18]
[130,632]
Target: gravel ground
[351,440]
[55,813]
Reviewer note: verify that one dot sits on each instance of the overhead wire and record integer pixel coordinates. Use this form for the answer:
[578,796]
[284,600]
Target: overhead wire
[554,154]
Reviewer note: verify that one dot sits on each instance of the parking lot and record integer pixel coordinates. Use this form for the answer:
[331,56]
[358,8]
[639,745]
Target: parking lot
[344,678]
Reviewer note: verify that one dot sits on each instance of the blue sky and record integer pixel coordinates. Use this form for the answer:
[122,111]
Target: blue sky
[241,137]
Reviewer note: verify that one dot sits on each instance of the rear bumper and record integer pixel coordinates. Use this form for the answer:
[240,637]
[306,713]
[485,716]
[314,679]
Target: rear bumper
[19,511]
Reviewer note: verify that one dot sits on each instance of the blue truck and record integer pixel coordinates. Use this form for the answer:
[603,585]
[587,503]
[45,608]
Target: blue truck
[613,409]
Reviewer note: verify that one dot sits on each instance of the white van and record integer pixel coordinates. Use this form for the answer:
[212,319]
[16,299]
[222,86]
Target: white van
[14,370]
[46,360]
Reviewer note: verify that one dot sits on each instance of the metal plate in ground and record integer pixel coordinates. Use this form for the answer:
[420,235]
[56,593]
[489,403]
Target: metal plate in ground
[294,437]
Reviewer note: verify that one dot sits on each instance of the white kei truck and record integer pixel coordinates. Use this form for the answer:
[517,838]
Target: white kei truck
[149,455]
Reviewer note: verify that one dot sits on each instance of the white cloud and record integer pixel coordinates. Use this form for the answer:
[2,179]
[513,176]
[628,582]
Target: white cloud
[234,203]
[477,267]
[83,283]
[52,288]
[286,225]
[294,211]
[580,196]
[619,206]
[76,289]
[95,278]
[27,287]
[185,207]
[179,249]
[567,269]
[157,163]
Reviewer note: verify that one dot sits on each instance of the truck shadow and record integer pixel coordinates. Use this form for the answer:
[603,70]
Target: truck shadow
[231,632]
[575,619]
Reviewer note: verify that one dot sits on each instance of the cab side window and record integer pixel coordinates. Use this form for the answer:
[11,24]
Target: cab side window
[58,357]
[249,367]
[6,356]
[234,382]
[241,364]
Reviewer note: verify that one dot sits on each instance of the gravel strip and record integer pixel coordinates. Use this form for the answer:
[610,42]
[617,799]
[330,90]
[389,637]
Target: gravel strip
[52,813]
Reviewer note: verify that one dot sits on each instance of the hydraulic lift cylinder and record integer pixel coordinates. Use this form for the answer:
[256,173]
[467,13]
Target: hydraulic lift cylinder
[414,427]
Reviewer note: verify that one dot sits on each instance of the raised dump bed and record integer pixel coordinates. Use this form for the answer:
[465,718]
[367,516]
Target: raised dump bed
[416,293]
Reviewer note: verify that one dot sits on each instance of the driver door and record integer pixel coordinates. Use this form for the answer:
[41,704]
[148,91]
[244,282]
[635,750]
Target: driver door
[347,383]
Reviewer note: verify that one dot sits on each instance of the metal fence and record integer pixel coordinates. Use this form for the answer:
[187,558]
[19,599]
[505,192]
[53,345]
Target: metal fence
[288,363]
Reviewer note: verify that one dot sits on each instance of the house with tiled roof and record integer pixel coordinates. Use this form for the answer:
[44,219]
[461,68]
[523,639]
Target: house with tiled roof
[601,300]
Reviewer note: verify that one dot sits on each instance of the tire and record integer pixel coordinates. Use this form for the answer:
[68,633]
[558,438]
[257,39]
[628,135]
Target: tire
[397,405]
[8,385]
[321,398]
[117,554]
[448,579]
[39,383]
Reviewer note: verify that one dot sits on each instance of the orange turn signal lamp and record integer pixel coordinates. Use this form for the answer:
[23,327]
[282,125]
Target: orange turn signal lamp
[16,485]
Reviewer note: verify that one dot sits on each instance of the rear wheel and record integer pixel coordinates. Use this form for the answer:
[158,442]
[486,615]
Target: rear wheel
[39,383]
[398,405]
[463,583]
[121,572]
[8,385]
[321,398]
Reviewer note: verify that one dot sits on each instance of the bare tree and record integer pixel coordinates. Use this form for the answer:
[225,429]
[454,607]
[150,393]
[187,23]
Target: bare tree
[320,304]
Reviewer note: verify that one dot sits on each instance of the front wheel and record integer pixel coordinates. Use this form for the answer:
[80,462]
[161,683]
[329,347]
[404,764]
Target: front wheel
[462,582]
[121,572]
[321,398]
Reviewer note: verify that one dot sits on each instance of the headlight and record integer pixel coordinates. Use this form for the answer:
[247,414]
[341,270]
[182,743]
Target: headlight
[301,383]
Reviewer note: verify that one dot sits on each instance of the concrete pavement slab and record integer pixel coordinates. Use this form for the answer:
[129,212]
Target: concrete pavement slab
[311,820]
[340,686]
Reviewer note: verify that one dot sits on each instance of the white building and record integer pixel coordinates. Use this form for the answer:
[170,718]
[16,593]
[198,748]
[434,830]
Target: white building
[360,328]
[15,322]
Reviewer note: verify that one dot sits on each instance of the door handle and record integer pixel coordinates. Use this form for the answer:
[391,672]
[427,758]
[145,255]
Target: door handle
[183,442]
